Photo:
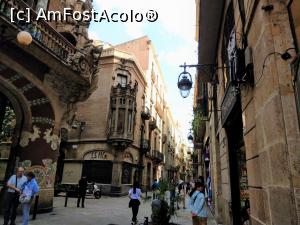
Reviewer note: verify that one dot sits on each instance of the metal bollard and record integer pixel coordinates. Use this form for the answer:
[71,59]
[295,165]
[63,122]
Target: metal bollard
[146,222]
[66,199]
[36,201]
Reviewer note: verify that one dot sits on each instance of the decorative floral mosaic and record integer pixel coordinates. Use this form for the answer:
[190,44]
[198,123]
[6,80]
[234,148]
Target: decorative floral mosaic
[39,101]
[26,87]
[43,120]
[44,175]
[27,136]
[53,139]
[14,78]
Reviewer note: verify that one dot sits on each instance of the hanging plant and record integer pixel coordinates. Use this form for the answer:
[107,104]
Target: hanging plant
[196,123]
[8,124]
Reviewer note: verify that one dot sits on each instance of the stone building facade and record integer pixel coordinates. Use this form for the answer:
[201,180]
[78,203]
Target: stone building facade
[251,137]
[125,131]
[109,127]
[40,85]
[161,128]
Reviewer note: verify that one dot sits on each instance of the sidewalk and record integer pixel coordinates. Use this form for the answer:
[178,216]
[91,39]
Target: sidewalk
[104,211]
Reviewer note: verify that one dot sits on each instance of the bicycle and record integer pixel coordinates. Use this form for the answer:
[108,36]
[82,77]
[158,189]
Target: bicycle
[146,221]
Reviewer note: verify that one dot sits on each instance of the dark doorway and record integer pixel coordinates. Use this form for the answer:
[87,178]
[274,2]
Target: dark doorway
[126,173]
[98,171]
[237,163]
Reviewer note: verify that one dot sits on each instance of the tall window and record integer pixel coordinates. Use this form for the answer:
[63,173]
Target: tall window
[228,27]
[294,9]
[121,120]
[294,13]
[121,79]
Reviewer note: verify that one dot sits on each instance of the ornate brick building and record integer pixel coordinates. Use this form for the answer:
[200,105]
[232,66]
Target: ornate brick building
[40,85]
[125,131]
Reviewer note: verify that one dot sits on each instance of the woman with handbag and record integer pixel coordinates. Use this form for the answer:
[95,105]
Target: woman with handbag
[29,190]
[11,200]
[135,195]
[198,206]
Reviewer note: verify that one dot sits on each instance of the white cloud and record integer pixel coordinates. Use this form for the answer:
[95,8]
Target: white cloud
[134,30]
[93,35]
[176,17]
[180,55]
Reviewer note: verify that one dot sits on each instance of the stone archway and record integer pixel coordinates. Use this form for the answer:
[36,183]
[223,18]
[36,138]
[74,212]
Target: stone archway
[36,142]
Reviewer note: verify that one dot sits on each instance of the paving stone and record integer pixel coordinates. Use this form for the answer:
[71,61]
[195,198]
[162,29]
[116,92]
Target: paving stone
[103,211]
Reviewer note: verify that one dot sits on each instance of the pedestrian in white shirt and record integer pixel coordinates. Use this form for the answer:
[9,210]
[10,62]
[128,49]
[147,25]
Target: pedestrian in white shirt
[11,201]
[135,195]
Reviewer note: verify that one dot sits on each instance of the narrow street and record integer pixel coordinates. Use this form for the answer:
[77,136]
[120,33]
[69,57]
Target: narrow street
[105,211]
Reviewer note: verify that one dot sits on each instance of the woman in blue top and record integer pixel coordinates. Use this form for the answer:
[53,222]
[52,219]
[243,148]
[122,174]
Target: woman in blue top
[30,189]
[197,205]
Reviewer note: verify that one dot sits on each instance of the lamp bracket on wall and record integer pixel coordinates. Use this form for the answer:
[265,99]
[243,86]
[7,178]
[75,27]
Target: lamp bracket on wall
[208,69]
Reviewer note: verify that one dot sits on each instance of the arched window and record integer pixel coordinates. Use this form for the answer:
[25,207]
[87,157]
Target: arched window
[70,37]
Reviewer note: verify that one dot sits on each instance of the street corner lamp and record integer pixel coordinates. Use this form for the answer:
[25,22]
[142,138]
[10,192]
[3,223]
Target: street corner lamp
[185,82]
[190,137]
[24,38]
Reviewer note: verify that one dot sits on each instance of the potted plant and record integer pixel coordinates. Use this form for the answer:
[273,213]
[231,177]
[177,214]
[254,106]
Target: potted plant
[161,209]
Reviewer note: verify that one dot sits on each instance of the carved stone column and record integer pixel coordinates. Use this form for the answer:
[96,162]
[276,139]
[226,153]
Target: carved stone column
[116,184]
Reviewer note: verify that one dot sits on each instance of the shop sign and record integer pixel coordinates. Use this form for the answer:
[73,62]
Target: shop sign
[98,155]
[228,103]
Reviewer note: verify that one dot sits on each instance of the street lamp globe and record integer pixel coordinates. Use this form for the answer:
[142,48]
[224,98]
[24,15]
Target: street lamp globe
[190,137]
[185,83]
[24,38]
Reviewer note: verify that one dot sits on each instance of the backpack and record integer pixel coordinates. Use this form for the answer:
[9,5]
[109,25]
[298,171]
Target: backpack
[180,186]
[154,186]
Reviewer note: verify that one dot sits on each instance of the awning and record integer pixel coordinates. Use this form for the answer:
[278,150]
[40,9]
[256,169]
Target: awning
[209,21]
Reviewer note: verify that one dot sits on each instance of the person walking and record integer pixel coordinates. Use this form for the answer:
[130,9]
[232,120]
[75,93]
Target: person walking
[11,199]
[29,190]
[82,186]
[154,187]
[197,205]
[181,194]
[134,194]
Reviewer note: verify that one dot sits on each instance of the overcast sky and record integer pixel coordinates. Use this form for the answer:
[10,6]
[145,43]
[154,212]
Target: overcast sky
[173,36]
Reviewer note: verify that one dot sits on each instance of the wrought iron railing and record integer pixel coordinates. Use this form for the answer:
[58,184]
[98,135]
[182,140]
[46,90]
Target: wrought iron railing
[40,30]
[145,145]
[152,123]
[158,155]
[146,115]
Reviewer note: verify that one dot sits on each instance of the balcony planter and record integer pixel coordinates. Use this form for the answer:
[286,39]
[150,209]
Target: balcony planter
[152,124]
[161,210]
[146,115]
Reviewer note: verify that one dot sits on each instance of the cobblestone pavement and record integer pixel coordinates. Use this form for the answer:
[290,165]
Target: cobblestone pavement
[104,211]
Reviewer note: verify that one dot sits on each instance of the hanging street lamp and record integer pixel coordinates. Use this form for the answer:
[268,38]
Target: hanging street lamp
[185,82]
[190,137]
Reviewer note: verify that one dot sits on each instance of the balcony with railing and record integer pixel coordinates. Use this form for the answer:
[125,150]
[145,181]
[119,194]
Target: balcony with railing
[145,145]
[40,30]
[146,115]
[48,46]
[152,123]
[158,156]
